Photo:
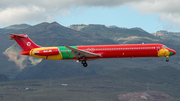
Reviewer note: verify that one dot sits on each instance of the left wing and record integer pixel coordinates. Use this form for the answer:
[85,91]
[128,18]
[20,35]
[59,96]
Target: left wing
[81,53]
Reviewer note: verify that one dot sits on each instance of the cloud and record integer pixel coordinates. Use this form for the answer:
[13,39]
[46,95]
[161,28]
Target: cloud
[25,11]
[18,14]
[167,10]
[35,11]
[103,3]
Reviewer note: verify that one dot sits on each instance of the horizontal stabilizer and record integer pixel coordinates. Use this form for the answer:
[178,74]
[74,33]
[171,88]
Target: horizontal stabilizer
[16,35]
[11,39]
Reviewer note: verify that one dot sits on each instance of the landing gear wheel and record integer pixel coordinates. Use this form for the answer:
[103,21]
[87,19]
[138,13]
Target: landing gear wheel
[167,60]
[85,64]
[83,61]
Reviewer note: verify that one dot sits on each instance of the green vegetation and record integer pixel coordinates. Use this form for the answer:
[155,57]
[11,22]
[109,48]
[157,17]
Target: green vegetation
[104,87]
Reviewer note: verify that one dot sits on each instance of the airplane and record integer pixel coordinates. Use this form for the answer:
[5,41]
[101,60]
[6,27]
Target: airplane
[91,52]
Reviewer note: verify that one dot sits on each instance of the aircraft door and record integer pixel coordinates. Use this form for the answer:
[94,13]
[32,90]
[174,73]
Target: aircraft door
[158,48]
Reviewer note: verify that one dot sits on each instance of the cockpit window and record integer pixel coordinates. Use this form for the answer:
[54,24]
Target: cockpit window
[164,46]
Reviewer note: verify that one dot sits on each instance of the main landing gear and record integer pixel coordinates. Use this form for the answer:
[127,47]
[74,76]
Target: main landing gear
[84,62]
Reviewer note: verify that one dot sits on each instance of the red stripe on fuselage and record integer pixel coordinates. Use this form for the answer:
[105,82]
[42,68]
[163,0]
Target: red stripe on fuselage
[123,51]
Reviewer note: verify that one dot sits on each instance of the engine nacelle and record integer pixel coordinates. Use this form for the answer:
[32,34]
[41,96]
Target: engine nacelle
[47,52]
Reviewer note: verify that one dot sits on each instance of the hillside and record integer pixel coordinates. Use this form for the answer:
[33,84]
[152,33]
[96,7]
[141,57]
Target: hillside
[120,35]
[13,28]
[8,66]
[54,34]
[168,35]
[17,27]
[4,39]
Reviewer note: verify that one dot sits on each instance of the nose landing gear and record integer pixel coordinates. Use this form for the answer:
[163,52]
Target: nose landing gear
[167,59]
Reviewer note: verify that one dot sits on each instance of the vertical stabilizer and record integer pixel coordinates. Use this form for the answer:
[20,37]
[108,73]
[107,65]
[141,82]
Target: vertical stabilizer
[24,42]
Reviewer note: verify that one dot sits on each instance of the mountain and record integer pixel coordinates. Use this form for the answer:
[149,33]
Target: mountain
[4,39]
[8,66]
[14,27]
[168,35]
[18,26]
[119,35]
[54,34]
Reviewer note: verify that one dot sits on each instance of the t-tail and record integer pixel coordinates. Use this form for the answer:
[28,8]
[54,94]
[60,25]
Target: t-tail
[24,42]
[31,49]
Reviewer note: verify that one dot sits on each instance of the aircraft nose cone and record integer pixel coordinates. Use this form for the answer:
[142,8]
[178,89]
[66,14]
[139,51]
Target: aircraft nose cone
[172,52]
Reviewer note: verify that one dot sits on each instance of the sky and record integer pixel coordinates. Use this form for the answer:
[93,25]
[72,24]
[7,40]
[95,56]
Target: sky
[150,15]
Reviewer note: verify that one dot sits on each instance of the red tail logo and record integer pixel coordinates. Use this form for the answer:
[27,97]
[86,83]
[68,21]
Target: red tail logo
[24,42]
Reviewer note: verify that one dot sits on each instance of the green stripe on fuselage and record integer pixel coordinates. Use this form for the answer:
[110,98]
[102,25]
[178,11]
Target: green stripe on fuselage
[66,53]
